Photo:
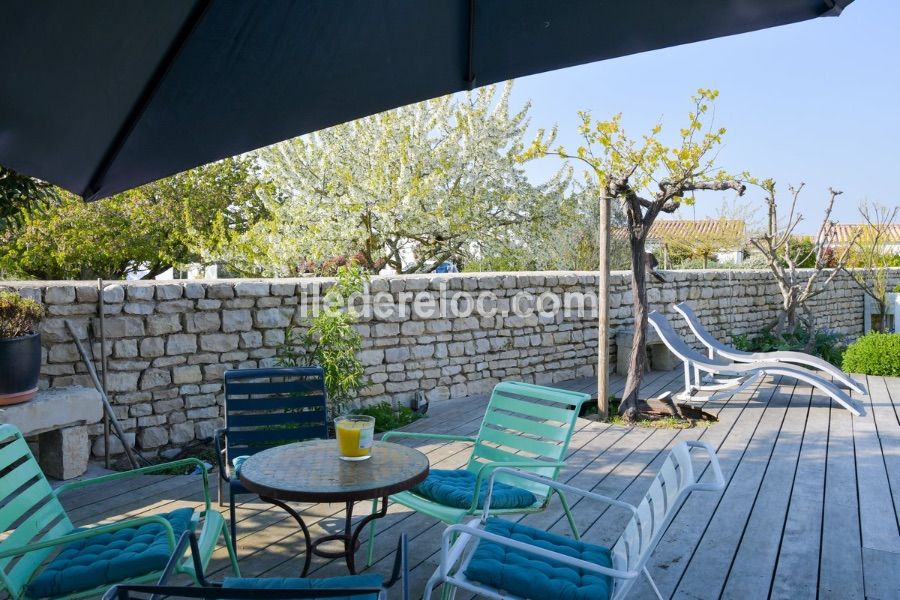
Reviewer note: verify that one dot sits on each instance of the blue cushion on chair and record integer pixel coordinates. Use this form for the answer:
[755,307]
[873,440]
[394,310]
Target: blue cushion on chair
[533,576]
[109,557]
[456,488]
[281,583]
[236,466]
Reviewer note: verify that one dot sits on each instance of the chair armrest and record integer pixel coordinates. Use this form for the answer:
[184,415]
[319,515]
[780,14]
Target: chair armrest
[472,530]
[218,436]
[94,531]
[487,469]
[552,484]
[427,436]
[719,482]
[184,462]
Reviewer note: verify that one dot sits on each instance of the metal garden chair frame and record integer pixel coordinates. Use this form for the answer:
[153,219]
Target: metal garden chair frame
[266,408]
[676,479]
[41,524]
[717,348]
[525,426]
[215,590]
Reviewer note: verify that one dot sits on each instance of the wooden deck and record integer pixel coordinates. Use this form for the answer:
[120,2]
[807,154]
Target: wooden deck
[810,509]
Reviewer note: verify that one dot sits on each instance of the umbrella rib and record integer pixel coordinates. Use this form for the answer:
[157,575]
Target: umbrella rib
[470,58]
[162,69]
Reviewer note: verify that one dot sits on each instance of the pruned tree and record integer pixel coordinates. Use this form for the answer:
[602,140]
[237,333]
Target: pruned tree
[647,178]
[870,255]
[786,252]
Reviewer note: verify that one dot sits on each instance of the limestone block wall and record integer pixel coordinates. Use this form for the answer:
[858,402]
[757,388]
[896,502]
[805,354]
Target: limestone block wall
[169,343]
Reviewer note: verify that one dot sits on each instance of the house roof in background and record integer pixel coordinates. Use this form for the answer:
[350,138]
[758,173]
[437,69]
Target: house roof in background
[846,231]
[681,229]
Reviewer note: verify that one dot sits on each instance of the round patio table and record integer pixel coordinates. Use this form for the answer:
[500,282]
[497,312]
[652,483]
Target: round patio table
[312,472]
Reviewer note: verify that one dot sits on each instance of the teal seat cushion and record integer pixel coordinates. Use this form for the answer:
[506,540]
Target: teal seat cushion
[372,581]
[109,557]
[532,576]
[236,463]
[456,488]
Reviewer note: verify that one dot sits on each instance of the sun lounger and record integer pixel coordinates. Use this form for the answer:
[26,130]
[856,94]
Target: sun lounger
[717,348]
[740,375]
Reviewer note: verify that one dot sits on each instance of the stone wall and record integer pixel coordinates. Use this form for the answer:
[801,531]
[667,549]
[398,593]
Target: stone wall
[168,343]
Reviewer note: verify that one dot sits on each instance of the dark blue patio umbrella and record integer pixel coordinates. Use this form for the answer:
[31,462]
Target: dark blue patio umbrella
[99,96]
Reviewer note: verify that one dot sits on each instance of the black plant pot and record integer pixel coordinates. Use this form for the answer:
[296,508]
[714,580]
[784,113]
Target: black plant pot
[20,367]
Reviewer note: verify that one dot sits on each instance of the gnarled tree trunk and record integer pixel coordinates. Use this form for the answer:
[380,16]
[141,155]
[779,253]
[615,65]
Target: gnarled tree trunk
[637,360]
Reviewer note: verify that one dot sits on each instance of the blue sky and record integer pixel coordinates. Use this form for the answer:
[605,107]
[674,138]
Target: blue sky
[815,102]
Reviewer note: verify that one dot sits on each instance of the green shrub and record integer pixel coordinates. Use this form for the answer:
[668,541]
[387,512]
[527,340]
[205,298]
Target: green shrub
[331,342]
[385,419]
[826,344]
[18,316]
[874,354]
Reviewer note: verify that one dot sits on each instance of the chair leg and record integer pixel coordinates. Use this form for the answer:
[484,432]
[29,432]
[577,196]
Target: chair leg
[232,521]
[370,552]
[232,553]
[569,517]
[221,493]
[652,584]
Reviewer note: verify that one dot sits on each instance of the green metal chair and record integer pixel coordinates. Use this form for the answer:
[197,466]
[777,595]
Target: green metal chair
[89,559]
[525,426]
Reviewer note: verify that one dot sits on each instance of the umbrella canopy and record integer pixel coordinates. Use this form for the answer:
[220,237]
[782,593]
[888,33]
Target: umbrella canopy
[99,96]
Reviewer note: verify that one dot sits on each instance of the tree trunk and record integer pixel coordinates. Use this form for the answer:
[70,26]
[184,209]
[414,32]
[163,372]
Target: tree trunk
[637,361]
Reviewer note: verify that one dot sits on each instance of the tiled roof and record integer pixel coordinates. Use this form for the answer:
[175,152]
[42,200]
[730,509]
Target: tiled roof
[846,231]
[682,229]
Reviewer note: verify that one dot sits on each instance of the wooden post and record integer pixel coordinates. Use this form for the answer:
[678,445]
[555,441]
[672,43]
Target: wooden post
[603,312]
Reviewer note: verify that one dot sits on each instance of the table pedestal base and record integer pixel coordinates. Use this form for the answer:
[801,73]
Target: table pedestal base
[350,536]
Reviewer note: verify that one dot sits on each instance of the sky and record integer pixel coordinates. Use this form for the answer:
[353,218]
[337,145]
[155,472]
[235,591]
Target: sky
[816,102]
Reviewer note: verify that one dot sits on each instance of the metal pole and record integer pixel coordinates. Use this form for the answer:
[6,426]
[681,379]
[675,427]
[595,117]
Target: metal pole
[103,369]
[106,405]
[603,310]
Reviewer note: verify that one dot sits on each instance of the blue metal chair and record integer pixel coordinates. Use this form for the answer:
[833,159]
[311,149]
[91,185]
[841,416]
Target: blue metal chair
[266,408]
[357,587]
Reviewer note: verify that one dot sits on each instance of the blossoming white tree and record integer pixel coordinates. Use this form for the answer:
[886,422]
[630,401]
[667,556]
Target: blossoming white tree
[434,181]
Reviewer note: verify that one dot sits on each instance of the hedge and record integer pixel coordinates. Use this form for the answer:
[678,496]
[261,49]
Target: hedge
[874,354]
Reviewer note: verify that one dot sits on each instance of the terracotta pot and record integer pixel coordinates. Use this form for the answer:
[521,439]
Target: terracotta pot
[20,367]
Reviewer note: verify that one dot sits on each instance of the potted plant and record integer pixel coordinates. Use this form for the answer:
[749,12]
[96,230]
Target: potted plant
[20,347]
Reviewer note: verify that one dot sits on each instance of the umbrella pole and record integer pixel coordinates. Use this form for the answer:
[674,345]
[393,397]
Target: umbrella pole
[603,312]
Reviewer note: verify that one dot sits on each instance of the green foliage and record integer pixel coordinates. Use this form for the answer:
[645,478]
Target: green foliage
[18,316]
[826,344]
[874,354]
[20,194]
[170,222]
[331,342]
[385,419]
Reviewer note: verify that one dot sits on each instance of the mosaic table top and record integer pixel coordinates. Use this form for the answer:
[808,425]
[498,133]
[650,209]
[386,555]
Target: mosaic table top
[312,472]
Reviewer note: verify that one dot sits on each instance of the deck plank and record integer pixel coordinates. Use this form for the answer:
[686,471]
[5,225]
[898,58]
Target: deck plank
[797,570]
[753,567]
[708,567]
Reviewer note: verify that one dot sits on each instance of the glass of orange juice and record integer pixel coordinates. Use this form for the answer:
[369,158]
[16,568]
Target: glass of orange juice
[355,434]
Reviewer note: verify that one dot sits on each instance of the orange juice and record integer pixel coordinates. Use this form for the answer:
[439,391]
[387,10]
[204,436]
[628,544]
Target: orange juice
[355,434]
